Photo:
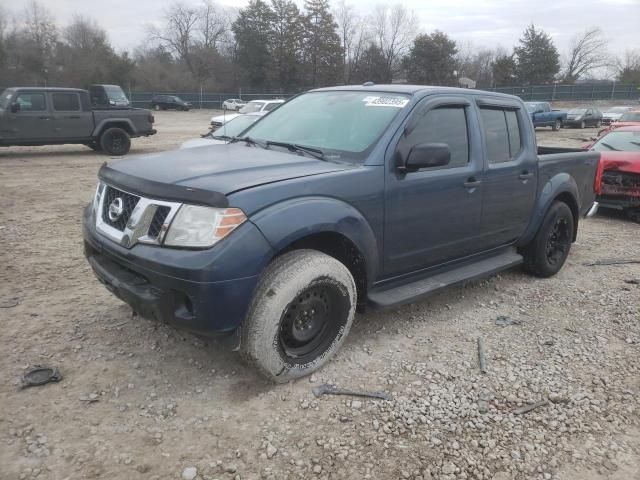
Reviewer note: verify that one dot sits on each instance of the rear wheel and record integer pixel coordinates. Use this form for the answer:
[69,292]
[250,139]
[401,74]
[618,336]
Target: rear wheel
[547,252]
[115,141]
[556,125]
[300,315]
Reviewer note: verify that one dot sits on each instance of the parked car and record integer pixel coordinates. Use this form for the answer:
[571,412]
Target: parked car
[233,104]
[584,117]
[628,119]
[618,177]
[225,133]
[373,195]
[108,96]
[613,114]
[48,116]
[251,107]
[169,102]
[543,116]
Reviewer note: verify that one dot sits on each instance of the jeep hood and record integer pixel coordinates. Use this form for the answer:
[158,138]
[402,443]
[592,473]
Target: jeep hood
[205,175]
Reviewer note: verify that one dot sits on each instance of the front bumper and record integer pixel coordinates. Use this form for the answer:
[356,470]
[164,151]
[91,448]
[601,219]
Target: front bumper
[203,291]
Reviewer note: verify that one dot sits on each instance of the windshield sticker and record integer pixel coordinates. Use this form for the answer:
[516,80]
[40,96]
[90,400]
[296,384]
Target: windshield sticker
[397,102]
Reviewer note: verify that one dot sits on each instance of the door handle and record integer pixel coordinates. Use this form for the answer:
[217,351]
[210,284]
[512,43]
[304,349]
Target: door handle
[471,183]
[525,175]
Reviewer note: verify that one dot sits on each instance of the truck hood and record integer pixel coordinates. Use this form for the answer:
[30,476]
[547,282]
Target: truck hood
[206,175]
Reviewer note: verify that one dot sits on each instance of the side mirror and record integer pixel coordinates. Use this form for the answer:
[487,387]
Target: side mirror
[426,155]
[15,107]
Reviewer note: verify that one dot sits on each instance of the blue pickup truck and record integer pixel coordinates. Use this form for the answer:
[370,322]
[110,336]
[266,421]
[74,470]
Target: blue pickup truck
[341,199]
[543,116]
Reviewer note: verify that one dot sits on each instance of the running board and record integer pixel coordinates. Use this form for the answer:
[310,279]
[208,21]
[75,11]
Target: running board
[406,293]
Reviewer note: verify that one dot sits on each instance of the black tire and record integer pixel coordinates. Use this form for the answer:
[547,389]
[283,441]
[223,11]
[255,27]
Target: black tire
[549,249]
[633,214]
[115,141]
[557,125]
[300,315]
[156,107]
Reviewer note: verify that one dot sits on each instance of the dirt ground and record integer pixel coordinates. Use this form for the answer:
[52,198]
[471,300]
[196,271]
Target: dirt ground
[141,400]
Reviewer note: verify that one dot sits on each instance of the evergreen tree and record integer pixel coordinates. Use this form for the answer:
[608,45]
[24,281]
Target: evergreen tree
[537,57]
[504,71]
[286,37]
[432,60]
[252,31]
[371,66]
[323,52]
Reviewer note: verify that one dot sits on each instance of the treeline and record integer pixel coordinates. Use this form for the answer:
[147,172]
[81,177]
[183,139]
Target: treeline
[277,47]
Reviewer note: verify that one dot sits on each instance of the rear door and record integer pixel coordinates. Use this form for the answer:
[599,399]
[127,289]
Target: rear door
[32,122]
[69,121]
[510,173]
[433,215]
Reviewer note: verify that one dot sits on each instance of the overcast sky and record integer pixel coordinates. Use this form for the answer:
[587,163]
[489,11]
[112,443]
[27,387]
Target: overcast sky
[483,22]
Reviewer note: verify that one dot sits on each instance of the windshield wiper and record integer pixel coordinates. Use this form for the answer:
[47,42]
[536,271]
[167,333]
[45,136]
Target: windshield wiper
[250,141]
[314,152]
[609,146]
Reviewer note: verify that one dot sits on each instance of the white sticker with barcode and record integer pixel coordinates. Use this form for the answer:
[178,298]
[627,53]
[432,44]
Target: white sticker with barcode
[382,101]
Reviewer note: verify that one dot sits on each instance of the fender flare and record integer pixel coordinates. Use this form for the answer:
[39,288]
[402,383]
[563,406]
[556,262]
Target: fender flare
[286,222]
[104,124]
[559,184]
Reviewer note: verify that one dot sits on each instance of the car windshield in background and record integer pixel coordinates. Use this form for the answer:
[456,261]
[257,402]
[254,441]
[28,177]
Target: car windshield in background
[252,107]
[577,111]
[630,117]
[345,123]
[618,141]
[236,126]
[531,107]
[115,93]
[4,99]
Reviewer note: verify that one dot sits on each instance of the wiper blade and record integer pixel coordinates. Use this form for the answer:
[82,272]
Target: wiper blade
[610,147]
[314,152]
[250,141]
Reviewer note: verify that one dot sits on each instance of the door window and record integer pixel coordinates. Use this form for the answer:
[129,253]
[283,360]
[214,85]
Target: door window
[441,125]
[32,102]
[66,102]
[501,130]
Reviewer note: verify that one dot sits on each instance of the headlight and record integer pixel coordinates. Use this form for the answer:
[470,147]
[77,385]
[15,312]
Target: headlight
[97,196]
[195,226]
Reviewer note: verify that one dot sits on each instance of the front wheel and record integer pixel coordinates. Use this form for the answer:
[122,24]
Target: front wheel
[549,249]
[115,141]
[300,315]
[556,125]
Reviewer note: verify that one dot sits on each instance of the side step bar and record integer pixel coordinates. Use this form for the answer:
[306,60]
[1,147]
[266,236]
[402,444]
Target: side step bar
[398,295]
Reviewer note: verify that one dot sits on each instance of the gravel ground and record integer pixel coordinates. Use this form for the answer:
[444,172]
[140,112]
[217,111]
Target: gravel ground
[141,400]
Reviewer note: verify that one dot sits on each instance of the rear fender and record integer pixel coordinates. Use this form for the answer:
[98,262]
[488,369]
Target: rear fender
[114,122]
[289,221]
[560,184]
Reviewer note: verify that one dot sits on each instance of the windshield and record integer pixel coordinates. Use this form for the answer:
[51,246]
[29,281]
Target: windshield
[616,140]
[236,126]
[115,93]
[4,99]
[251,107]
[630,117]
[577,111]
[344,122]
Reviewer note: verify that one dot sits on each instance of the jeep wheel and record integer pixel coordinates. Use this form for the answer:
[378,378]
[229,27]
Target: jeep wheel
[115,141]
[556,125]
[301,312]
[549,249]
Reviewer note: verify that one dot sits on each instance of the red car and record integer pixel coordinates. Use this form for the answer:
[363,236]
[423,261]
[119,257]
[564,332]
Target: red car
[618,176]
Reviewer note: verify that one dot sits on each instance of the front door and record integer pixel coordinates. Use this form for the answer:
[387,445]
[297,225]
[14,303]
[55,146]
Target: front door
[69,121]
[32,122]
[510,179]
[433,215]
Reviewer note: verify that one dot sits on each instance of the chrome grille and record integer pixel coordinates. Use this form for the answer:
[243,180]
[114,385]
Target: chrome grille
[158,220]
[129,202]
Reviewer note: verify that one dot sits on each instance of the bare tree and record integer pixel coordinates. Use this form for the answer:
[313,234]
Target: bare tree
[214,25]
[587,52]
[394,29]
[179,32]
[627,67]
[348,23]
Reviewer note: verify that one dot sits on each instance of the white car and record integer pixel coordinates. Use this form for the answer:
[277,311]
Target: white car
[222,135]
[613,114]
[262,106]
[233,104]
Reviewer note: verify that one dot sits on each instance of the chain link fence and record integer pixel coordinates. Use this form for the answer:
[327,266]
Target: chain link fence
[593,91]
[202,99]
